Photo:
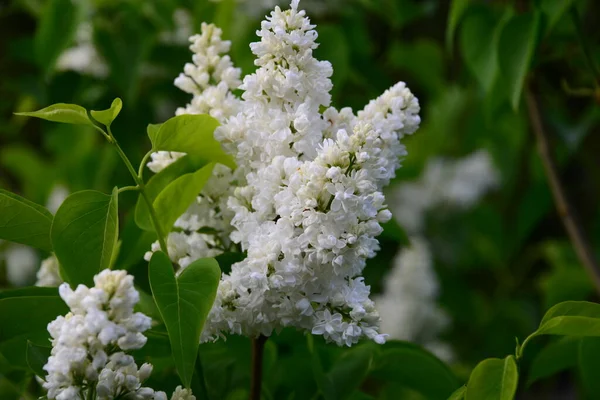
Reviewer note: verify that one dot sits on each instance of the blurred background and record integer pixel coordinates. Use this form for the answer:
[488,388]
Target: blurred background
[476,253]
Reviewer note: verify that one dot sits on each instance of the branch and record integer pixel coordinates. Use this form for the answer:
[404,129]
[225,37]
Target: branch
[578,237]
[258,346]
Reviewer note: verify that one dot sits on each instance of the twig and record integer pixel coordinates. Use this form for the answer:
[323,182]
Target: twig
[258,346]
[565,210]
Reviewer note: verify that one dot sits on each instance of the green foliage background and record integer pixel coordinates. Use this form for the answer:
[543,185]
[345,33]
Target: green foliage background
[468,62]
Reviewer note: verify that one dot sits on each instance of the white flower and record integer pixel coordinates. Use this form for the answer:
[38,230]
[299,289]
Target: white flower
[445,183]
[182,394]
[88,343]
[83,57]
[58,194]
[48,274]
[306,200]
[21,263]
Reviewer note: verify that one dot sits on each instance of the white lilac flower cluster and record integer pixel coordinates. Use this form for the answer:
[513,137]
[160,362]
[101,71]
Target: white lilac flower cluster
[306,200]
[89,344]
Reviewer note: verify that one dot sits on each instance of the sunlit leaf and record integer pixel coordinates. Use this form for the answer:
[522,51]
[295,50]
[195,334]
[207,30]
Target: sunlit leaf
[61,112]
[106,117]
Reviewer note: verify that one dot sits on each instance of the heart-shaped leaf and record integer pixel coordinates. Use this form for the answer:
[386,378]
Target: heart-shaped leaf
[106,117]
[61,112]
[159,182]
[24,222]
[84,235]
[191,134]
[184,303]
[494,379]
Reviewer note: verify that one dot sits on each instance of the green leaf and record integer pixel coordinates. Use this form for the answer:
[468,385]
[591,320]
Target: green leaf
[184,303]
[589,364]
[159,182]
[84,234]
[28,291]
[56,29]
[554,10]
[175,199]
[152,130]
[459,394]
[106,117]
[16,330]
[37,357]
[226,260]
[494,379]
[24,222]
[478,39]
[323,382]
[570,318]
[416,368]
[555,357]
[350,370]
[61,112]
[191,134]
[136,241]
[457,10]
[516,48]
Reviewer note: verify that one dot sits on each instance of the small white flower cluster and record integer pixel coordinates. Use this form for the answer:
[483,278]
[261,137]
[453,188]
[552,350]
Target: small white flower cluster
[445,183]
[88,343]
[83,58]
[48,275]
[306,202]
[20,262]
[408,306]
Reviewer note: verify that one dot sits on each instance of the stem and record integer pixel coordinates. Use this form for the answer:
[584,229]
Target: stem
[143,163]
[91,394]
[565,210]
[142,188]
[127,189]
[584,44]
[258,346]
